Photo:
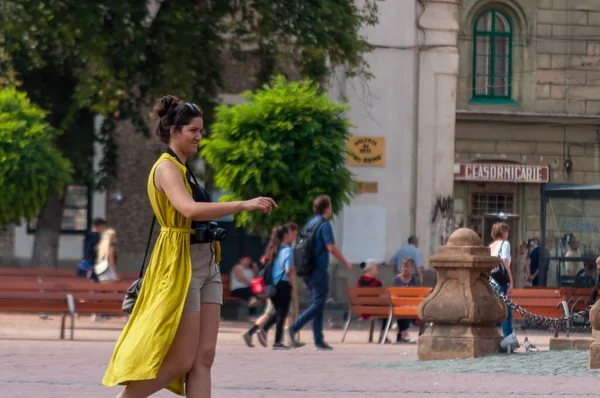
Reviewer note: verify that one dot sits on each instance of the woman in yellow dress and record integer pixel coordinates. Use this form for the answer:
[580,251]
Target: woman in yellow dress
[171,336]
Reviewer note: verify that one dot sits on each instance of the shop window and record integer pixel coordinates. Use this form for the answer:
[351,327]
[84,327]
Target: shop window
[492,57]
[486,203]
[76,211]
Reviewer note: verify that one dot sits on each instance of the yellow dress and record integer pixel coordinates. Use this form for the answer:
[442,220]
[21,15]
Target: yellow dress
[148,335]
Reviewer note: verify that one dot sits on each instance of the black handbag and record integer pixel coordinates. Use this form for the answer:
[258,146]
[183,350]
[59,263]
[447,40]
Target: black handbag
[499,274]
[133,291]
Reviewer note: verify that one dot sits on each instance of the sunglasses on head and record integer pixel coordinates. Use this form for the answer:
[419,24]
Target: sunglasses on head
[191,107]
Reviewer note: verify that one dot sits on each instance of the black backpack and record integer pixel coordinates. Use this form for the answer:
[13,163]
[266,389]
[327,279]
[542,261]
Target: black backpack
[305,258]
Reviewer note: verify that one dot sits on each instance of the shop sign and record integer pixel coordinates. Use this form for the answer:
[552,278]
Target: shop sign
[502,172]
[366,151]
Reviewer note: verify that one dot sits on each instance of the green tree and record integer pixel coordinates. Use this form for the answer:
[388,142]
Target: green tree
[287,141]
[32,170]
[81,58]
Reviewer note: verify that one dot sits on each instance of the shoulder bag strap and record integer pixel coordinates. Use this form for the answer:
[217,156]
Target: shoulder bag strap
[147,246]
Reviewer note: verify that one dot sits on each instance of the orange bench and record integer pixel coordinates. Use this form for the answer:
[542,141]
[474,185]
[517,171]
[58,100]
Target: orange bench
[384,303]
[371,301]
[405,303]
[542,302]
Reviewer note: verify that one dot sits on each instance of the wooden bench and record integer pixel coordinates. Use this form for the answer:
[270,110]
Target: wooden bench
[69,298]
[405,303]
[384,303]
[371,301]
[38,302]
[542,302]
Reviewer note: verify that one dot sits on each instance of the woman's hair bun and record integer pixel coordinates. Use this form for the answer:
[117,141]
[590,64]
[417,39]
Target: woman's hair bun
[164,104]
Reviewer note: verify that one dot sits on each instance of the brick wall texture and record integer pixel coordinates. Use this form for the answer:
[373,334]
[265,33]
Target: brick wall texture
[567,47]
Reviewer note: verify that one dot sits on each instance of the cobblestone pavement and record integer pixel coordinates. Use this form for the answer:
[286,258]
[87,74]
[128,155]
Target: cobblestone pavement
[34,363]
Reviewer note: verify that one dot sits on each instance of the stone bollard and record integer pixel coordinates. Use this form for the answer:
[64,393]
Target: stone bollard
[595,347]
[463,308]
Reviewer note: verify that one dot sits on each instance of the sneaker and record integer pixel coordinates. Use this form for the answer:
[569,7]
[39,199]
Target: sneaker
[293,342]
[262,337]
[248,339]
[281,347]
[323,347]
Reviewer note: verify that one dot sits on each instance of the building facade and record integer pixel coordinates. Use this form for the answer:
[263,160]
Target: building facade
[528,109]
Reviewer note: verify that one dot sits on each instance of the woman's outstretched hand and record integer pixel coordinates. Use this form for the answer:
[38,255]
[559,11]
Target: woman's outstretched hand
[263,204]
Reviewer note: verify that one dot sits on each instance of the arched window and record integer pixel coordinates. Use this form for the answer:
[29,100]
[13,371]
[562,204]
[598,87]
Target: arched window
[492,55]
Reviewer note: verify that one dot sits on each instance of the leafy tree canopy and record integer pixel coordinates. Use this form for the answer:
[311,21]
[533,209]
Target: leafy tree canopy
[287,141]
[77,58]
[31,168]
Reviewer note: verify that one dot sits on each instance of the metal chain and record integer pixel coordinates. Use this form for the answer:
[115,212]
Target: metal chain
[537,319]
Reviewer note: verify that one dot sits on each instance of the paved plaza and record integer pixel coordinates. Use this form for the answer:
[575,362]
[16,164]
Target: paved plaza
[34,363]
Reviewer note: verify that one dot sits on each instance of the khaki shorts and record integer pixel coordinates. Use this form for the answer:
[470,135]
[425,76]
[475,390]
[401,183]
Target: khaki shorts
[206,285]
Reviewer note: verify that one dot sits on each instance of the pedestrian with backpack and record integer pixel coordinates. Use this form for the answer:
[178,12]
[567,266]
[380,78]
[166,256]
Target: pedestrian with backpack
[311,260]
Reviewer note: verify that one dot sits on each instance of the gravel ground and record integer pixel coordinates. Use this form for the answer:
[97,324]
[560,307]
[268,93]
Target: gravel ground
[542,363]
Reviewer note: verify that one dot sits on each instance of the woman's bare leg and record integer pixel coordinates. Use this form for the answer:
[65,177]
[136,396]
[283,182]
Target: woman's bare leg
[179,359]
[198,379]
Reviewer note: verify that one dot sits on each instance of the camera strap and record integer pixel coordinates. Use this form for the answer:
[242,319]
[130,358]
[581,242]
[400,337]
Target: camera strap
[147,246]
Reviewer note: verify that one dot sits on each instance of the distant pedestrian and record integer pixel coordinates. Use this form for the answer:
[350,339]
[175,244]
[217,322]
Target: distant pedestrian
[258,327]
[500,248]
[406,278]
[92,238]
[105,267]
[280,250]
[411,250]
[317,283]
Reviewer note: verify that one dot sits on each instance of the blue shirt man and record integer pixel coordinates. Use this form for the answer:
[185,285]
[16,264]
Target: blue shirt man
[409,251]
[318,283]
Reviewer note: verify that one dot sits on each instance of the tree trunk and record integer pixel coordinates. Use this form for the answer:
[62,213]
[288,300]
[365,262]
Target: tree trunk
[47,235]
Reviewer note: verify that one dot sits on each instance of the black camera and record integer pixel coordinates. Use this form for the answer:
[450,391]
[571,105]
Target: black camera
[209,232]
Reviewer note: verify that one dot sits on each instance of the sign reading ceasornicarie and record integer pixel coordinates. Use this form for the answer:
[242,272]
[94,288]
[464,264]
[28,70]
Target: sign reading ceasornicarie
[502,172]
[366,151]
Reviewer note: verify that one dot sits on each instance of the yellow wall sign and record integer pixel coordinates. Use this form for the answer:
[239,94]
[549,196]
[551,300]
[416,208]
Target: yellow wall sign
[366,151]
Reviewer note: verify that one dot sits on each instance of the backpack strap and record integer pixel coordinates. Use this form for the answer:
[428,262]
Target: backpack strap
[147,246]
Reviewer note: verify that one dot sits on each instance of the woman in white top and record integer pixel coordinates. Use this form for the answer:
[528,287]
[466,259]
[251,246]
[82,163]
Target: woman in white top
[500,248]
[105,267]
[241,282]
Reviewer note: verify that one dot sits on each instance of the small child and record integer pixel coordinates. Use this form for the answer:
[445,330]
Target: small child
[406,279]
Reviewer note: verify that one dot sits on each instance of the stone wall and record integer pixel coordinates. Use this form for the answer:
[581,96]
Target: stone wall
[555,55]
[568,56]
